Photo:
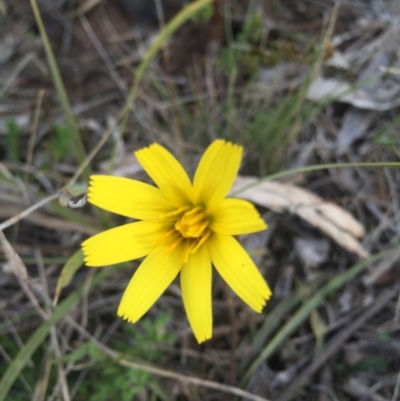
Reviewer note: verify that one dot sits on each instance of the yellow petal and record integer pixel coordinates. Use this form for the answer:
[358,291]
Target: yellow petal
[196,278]
[216,172]
[235,217]
[150,280]
[238,270]
[127,197]
[120,244]
[167,173]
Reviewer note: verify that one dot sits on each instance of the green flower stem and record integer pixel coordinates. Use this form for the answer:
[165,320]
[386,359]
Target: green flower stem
[60,88]
[184,15]
[316,167]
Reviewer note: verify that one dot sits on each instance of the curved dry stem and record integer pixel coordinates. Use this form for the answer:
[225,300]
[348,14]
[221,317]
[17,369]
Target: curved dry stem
[26,212]
[116,357]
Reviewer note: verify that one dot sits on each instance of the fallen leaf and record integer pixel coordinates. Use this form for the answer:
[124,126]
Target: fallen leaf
[331,219]
[323,89]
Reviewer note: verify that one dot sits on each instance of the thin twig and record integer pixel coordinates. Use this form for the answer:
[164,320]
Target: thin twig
[26,212]
[31,144]
[396,389]
[312,168]
[62,377]
[116,356]
[334,345]
[174,24]
[98,146]
[19,67]
[60,87]
[103,54]
[304,312]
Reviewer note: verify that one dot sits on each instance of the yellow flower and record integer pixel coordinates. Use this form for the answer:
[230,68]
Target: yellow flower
[185,228]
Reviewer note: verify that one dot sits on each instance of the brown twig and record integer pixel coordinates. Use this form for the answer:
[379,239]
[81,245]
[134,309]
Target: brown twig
[31,144]
[184,379]
[334,345]
[28,211]
[103,54]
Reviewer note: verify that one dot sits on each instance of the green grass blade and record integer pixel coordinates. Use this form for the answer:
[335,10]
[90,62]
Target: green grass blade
[304,312]
[68,271]
[60,88]
[183,16]
[314,167]
[273,319]
[37,338]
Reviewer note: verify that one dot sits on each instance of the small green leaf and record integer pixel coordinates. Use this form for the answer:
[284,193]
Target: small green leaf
[319,329]
[78,354]
[61,144]
[12,140]
[377,365]
[68,271]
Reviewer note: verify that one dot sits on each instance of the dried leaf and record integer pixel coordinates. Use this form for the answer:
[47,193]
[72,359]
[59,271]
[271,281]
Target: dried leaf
[330,88]
[331,219]
[15,264]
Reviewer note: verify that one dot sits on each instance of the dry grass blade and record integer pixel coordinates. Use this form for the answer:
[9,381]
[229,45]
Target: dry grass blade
[37,338]
[15,264]
[27,212]
[373,276]
[42,384]
[357,389]
[331,219]
[184,15]
[206,72]
[59,85]
[18,268]
[86,6]
[335,344]
[45,220]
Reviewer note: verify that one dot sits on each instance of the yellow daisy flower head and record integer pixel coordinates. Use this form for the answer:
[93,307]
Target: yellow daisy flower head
[184,228]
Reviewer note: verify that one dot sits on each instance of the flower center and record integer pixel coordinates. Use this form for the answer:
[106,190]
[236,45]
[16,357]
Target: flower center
[191,225]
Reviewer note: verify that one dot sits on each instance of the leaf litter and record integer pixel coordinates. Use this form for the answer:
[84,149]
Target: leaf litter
[184,103]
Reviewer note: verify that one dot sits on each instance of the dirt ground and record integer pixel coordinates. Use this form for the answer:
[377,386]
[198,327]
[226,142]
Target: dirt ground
[298,84]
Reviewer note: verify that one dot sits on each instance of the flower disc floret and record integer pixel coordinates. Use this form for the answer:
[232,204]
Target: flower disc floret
[192,225]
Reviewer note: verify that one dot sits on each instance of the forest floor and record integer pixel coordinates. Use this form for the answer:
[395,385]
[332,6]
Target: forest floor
[311,89]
